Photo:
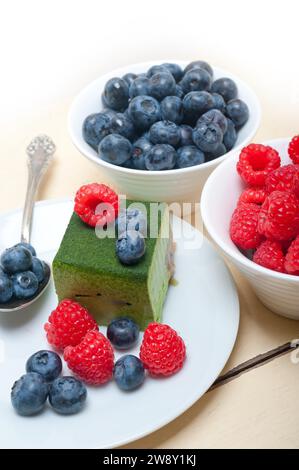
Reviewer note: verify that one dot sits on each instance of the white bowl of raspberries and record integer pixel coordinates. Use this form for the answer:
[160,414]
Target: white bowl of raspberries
[158,129]
[250,207]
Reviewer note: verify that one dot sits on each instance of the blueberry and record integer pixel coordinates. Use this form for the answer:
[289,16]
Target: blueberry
[130,247]
[179,91]
[172,109]
[129,372]
[128,164]
[161,157]
[199,64]
[218,102]
[116,94]
[165,132]
[207,137]
[29,394]
[123,333]
[196,80]
[225,87]
[25,284]
[195,104]
[6,287]
[216,116]
[139,150]
[115,149]
[144,111]
[28,246]
[189,155]
[175,70]
[139,87]
[129,78]
[186,135]
[67,395]
[220,150]
[238,112]
[157,69]
[131,219]
[95,128]
[230,137]
[121,124]
[161,85]
[16,259]
[38,268]
[46,363]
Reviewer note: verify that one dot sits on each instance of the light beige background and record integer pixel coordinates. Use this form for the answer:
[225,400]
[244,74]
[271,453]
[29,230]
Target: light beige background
[51,49]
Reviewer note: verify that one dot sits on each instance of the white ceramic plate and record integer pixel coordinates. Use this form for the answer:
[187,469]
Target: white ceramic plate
[203,308]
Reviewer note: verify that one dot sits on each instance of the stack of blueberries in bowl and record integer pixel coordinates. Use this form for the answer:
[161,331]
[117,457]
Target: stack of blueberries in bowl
[167,118]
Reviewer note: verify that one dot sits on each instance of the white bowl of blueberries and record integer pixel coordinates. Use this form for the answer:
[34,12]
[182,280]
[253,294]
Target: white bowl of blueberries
[157,130]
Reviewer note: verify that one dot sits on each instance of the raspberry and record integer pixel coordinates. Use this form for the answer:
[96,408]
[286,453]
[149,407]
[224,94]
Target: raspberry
[281,179]
[293,149]
[279,216]
[162,350]
[68,324]
[243,226]
[270,255]
[295,188]
[87,200]
[256,162]
[92,360]
[253,195]
[292,258]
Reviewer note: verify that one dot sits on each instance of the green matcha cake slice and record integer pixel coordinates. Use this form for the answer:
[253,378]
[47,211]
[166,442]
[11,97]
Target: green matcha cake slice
[87,269]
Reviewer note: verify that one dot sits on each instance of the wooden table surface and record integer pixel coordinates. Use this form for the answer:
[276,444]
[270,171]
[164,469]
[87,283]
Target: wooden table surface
[255,401]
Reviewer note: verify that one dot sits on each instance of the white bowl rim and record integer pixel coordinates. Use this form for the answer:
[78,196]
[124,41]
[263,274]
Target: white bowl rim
[237,255]
[177,171]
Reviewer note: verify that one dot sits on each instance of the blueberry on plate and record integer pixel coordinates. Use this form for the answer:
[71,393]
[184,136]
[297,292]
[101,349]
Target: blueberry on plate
[129,78]
[215,116]
[29,394]
[175,70]
[6,287]
[25,284]
[196,80]
[38,268]
[207,137]
[220,150]
[67,395]
[95,128]
[144,111]
[161,84]
[225,87]
[199,64]
[123,333]
[230,137]
[129,372]
[139,86]
[116,94]
[218,102]
[186,135]
[130,247]
[139,150]
[115,149]
[28,246]
[160,157]
[157,69]
[238,112]
[122,125]
[165,132]
[172,109]
[189,156]
[131,219]
[16,259]
[195,104]
[46,363]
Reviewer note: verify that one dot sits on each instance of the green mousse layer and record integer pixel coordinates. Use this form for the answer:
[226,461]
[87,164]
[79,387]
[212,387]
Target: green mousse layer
[87,269]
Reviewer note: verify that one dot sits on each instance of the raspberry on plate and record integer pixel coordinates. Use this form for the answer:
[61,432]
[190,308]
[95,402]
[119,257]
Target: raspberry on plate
[282,179]
[162,351]
[270,255]
[256,161]
[293,149]
[92,360]
[243,226]
[88,200]
[68,324]
[254,195]
[292,258]
[279,216]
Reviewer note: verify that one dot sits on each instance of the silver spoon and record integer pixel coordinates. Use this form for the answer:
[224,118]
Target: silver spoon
[40,153]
